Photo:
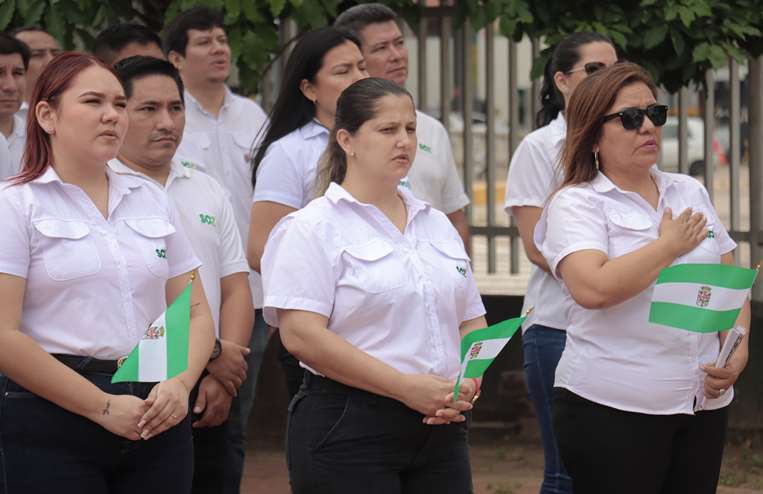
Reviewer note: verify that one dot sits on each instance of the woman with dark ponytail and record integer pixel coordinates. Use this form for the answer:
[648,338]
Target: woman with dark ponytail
[373,291]
[533,174]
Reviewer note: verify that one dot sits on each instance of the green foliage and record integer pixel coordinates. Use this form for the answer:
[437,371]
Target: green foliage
[677,40]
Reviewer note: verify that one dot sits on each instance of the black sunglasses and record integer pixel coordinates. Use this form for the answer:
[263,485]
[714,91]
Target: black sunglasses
[633,118]
[589,68]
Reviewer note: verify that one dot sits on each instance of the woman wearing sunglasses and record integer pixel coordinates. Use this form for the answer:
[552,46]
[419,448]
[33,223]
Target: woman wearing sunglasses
[626,395]
[533,175]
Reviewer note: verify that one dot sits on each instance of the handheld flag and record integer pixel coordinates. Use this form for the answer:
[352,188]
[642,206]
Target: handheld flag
[162,353]
[702,298]
[479,348]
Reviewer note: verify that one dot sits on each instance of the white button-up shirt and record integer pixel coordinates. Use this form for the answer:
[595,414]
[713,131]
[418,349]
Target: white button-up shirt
[14,143]
[615,356]
[288,173]
[224,145]
[207,217]
[93,285]
[399,297]
[433,176]
[534,173]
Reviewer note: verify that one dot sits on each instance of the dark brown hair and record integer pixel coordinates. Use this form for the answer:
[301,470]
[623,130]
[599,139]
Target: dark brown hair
[55,78]
[589,103]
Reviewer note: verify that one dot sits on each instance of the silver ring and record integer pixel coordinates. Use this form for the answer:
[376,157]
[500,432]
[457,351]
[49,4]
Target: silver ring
[722,391]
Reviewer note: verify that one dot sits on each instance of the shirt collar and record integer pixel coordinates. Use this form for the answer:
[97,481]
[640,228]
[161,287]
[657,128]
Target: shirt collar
[116,180]
[336,193]
[559,126]
[228,100]
[177,170]
[602,184]
[312,129]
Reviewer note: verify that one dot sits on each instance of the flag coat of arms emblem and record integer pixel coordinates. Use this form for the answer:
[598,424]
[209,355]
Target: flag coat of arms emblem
[703,296]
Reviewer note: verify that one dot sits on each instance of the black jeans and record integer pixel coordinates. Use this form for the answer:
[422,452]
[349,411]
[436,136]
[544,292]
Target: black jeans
[210,447]
[607,450]
[44,449]
[344,440]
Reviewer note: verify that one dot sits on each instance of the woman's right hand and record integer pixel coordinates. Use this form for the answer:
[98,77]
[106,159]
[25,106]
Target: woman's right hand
[427,393]
[684,233]
[120,415]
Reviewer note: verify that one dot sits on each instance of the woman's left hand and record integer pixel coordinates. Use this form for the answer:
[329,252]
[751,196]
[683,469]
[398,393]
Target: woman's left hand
[168,406]
[718,380]
[453,411]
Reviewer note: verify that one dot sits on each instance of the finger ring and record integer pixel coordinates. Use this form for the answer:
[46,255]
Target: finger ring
[173,416]
[722,390]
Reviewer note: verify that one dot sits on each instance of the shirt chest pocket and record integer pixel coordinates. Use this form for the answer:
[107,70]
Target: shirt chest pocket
[628,231]
[449,262]
[68,249]
[373,267]
[149,236]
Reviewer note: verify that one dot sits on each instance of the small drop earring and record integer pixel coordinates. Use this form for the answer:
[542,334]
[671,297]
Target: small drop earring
[596,159]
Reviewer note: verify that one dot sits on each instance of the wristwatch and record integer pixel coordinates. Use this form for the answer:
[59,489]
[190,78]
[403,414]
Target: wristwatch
[217,350]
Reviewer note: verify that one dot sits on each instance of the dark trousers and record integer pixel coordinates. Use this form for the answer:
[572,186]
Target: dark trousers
[210,447]
[543,347]
[344,440]
[607,450]
[44,449]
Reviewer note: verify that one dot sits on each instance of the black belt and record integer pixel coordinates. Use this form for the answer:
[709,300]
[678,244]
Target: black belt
[320,383]
[88,364]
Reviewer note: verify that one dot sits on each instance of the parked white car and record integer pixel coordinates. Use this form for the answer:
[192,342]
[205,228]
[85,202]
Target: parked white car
[695,148]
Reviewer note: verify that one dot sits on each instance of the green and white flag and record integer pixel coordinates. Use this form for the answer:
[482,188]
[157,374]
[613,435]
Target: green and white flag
[703,298]
[162,353]
[479,348]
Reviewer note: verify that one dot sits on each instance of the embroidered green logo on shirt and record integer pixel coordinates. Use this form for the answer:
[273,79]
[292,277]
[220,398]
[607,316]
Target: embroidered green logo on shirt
[424,147]
[187,164]
[461,270]
[710,234]
[207,219]
[161,253]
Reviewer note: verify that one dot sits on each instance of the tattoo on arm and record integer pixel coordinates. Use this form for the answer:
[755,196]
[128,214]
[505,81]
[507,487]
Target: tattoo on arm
[107,408]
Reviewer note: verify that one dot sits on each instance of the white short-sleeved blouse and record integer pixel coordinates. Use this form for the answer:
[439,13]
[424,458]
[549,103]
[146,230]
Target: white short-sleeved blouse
[93,285]
[400,297]
[615,356]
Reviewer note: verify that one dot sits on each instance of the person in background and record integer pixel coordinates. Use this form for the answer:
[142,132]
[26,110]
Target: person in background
[157,116]
[323,63]
[42,48]
[219,131]
[125,40]
[372,291]
[88,260]
[433,177]
[628,392]
[534,174]
[14,61]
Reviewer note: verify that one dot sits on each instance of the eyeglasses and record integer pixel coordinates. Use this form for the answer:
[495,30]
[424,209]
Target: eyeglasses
[633,118]
[589,68]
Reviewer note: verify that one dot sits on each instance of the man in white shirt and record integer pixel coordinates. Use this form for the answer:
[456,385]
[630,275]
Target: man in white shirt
[433,176]
[221,128]
[42,49]
[14,60]
[157,117]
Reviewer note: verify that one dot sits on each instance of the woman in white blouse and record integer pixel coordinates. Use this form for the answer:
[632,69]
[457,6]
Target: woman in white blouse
[533,175]
[627,412]
[372,290]
[88,259]
[323,63]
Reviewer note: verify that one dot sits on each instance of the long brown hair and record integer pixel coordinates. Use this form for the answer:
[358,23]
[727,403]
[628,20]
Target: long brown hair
[590,101]
[55,78]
